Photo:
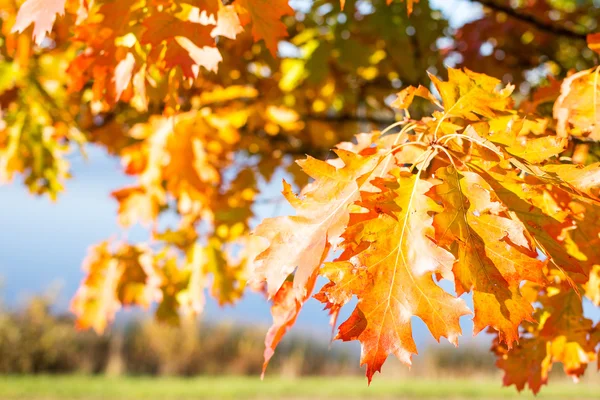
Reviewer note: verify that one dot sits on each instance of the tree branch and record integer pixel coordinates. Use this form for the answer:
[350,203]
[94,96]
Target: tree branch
[349,118]
[544,26]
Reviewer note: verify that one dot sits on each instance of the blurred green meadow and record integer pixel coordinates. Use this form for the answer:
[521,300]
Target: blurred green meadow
[78,387]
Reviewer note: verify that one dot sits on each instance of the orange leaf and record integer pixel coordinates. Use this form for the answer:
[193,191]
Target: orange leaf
[593,42]
[228,23]
[40,13]
[285,309]
[322,215]
[493,252]
[577,109]
[114,278]
[392,275]
[266,17]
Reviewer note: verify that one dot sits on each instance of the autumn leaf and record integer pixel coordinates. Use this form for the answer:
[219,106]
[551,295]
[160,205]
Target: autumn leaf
[546,229]
[469,95]
[537,150]
[582,180]
[528,364]
[137,204]
[562,335]
[392,278]
[114,278]
[493,253]
[322,215]
[593,286]
[593,42]
[266,20]
[40,13]
[123,74]
[577,108]
[406,97]
[569,343]
[285,309]
[188,44]
[228,23]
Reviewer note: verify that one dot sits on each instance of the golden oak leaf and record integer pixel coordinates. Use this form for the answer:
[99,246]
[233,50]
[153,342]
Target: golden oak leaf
[582,241]
[96,303]
[406,96]
[207,57]
[137,204]
[527,364]
[40,13]
[188,44]
[99,63]
[210,6]
[537,150]
[266,17]
[468,95]
[228,279]
[493,254]
[104,53]
[545,229]
[192,299]
[180,156]
[568,332]
[139,281]
[123,74]
[563,335]
[583,180]
[116,15]
[577,109]
[122,277]
[391,275]
[163,26]
[285,309]
[174,282]
[228,23]
[576,180]
[321,217]
[592,287]
[542,95]
[189,172]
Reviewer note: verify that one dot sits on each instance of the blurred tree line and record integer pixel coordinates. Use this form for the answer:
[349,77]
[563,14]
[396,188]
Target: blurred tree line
[35,340]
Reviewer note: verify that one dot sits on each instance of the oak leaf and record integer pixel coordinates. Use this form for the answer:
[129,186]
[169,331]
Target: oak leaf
[285,309]
[577,109]
[40,13]
[528,364]
[392,275]
[124,276]
[493,253]
[266,21]
[562,334]
[592,289]
[228,23]
[322,215]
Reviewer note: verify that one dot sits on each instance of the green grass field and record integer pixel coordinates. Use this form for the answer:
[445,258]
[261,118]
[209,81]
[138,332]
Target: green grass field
[148,388]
